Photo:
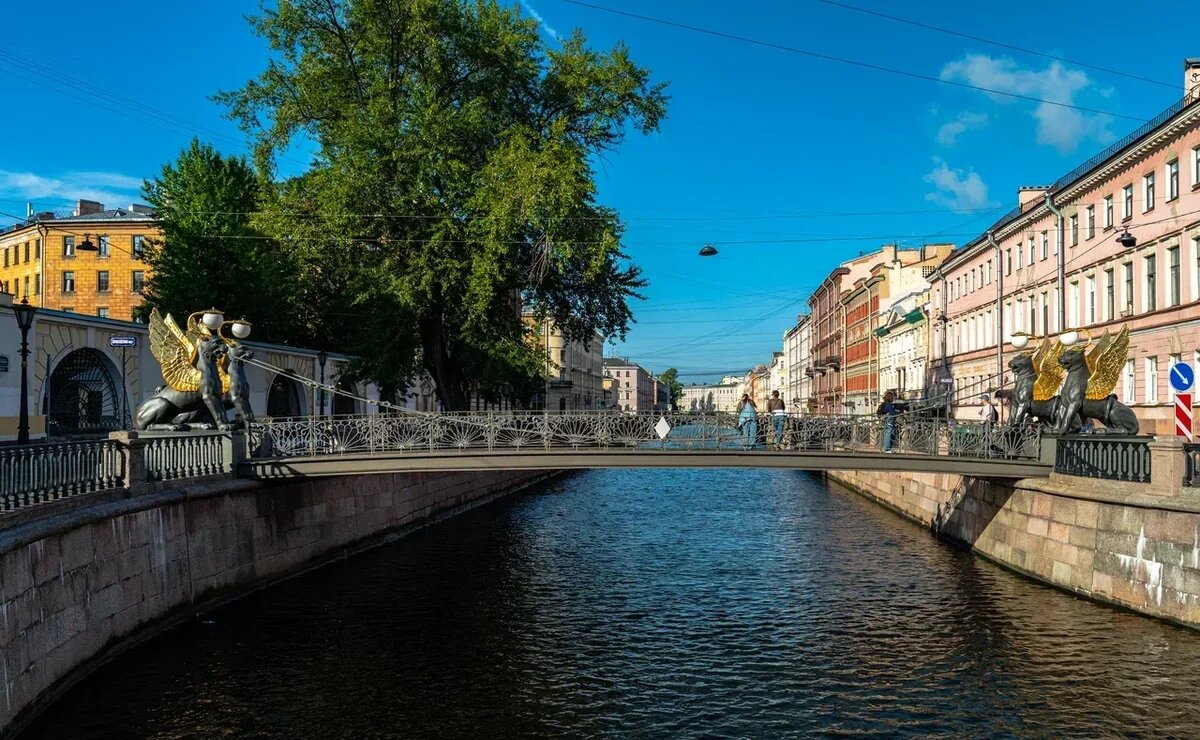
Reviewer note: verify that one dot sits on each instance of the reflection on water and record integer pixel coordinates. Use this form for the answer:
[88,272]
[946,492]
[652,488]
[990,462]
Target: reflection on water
[653,603]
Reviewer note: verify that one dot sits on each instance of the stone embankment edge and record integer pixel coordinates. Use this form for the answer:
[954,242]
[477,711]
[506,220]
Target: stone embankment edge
[1114,544]
[112,505]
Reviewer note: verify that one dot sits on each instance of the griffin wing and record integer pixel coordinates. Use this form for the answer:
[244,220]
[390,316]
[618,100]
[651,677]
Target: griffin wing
[1039,354]
[175,352]
[1050,373]
[1109,362]
[1093,354]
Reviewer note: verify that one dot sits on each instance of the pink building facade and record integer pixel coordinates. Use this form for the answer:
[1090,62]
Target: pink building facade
[1063,260]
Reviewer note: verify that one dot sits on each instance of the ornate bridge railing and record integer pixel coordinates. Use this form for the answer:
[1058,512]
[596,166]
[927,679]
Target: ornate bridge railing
[515,431]
[1099,456]
[35,474]
[185,456]
[1191,465]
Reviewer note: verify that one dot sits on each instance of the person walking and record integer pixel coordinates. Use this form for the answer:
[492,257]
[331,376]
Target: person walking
[888,410]
[778,416]
[988,416]
[747,421]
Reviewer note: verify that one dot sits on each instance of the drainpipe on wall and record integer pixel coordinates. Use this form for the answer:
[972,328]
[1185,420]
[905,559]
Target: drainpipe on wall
[999,311]
[1062,264]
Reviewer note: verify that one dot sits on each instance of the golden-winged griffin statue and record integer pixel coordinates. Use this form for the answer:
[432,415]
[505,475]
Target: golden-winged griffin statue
[1063,387]
[205,376]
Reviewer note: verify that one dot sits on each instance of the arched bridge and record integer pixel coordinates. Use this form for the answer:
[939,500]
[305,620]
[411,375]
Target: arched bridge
[412,442]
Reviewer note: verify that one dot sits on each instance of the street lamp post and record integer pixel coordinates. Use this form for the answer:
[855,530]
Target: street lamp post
[322,356]
[24,312]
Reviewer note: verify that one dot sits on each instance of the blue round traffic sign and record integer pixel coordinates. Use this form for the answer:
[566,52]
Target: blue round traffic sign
[1182,377]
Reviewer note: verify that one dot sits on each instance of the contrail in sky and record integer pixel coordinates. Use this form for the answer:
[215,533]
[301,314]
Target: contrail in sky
[538,17]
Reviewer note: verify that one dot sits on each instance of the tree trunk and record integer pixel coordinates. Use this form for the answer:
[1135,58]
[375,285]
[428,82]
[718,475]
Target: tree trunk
[440,366]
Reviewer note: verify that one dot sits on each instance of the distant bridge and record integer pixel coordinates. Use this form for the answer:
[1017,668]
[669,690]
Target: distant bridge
[355,445]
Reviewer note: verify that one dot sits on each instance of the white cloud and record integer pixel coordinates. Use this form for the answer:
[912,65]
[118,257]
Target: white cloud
[948,134]
[957,190]
[1057,126]
[113,189]
[541,21]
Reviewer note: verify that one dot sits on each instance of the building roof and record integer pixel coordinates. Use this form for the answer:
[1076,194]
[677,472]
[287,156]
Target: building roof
[112,214]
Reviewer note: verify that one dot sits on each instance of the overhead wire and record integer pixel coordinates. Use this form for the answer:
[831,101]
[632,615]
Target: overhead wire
[846,61]
[1001,44]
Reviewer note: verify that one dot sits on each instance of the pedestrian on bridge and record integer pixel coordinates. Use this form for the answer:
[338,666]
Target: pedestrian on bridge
[748,421]
[778,416]
[888,410]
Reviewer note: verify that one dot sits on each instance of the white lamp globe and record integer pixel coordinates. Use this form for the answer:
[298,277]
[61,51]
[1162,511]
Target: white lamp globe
[1020,341]
[241,329]
[1069,338]
[212,319]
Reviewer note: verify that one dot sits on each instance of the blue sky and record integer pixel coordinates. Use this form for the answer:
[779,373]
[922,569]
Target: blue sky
[814,160]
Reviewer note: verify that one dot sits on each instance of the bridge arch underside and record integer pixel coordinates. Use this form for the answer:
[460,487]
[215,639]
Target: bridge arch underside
[402,462]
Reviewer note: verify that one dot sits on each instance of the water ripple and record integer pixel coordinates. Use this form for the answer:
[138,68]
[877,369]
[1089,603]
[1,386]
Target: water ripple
[654,604]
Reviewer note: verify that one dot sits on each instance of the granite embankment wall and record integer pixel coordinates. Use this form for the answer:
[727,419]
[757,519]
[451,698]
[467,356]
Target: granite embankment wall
[1121,543]
[77,586]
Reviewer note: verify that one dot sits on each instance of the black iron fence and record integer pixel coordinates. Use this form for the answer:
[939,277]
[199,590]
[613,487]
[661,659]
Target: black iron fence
[1104,457]
[1191,455]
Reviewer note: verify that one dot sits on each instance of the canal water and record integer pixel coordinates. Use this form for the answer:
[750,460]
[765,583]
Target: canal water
[653,604]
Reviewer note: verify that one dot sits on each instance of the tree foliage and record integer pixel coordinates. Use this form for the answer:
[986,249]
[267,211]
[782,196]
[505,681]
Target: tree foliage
[670,377]
[452,185]
[209,255]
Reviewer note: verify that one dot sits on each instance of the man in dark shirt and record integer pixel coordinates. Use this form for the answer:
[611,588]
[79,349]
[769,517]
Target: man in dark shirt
[778,416]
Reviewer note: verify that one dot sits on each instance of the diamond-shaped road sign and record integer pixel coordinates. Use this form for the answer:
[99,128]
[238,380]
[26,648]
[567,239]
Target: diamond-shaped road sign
[662,428]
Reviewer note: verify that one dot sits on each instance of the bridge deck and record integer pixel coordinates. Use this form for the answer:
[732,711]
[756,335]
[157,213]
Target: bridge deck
[368,463]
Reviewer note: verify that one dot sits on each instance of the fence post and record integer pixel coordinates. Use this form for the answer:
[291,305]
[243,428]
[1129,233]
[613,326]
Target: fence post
[233,450]
[134,449]
[1167,465]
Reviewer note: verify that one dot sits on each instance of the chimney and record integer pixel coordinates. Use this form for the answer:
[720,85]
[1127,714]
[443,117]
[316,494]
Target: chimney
[1031,195]
[86,207]
[141,209]
[1191,77]
[46,216]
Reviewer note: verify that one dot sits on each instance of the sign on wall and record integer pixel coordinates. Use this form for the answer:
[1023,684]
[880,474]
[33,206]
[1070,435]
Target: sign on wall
[122,341]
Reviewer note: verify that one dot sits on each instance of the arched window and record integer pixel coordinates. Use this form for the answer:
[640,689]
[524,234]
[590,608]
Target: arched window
[84,395]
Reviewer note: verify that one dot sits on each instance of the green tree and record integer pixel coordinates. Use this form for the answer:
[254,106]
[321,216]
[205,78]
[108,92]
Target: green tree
[209,255]
[670,377]
[452,185]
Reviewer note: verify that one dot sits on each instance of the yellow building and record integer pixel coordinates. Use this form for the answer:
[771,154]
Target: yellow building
[47,259]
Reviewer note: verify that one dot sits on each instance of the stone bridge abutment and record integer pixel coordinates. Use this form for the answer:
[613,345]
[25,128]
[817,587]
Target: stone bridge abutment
[97,574]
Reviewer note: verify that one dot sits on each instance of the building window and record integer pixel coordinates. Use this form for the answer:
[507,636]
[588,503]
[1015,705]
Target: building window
[1032,254]
[102,247]
[27,253]
[68,281]
[1019,253]
[1128,295]
[1127,394]
[37,284]
[1127,211]
[1091,222]
[1045,313]
[1110,311]
[1008,261]
[139,281]
[1074,229]
[1045,245]
[1091,299]
[1147,192]
[1172,179]
[102,312]
[989,272]
[1151,380]
[1073,306]
[68,246]
[139,246]
[1151,284]
[1173,279]
[1196,269]
[37,248]
[1196,166]
[6,251]
[26,286]
[1108,212]
[102,281]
